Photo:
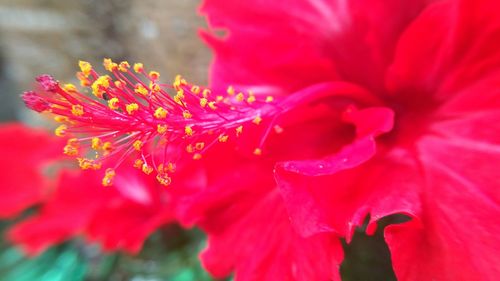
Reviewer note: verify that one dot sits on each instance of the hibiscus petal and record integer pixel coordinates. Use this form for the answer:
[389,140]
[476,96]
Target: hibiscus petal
[262,246]
[456,238]
[65,215]
[309,186]
[82,206]
[248,228]
[341,201]
[132,224]
[461,49]
[135,211]
[278,47]
[25,152]
[456,235]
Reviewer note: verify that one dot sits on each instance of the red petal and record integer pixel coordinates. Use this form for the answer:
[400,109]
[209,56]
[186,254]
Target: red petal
[82,206]
[310,188]
[457,238]
[280,47]
[63,216]
[248,228]
[25,153]
[461,204]
[460,50]
[340,202]
[261,245]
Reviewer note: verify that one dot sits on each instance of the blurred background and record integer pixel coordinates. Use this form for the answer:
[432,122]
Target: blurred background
[50,36]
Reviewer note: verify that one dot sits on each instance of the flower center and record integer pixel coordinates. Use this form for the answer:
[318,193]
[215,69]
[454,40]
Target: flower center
[413,113]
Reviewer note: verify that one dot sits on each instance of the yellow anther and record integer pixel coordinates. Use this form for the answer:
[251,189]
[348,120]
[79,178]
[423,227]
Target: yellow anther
[107,147]
[203,102]
[239,131]
[84,81]
[160,113]
[195,89]
[219,98]
[84,163]
[96,166]
[206,93]
[164,179]
[109,176]
[179,97]
[199,145]
[178,100]
[138,163]
[70,150]
[119,84]
[87,164]
[161,168]
[96,143]
[77,110]
[240,97]
[124,66]
[61,130]
[73,142]
[131,108]
[170,167]
[60,118]
[189,148]
[154,75]
[178,82]
[188,130]
[257,120]
[257,151]
[197,156]
[269,99]
[139,89]
[212,105]
[161,129]
[69,87]
[251,99]
[113,103]
[223,138]
[187,115]
[180,93]
[230,91]
[109,65]
[100,86]
[138,67]
[147,169]
[107,181]
[85,67]
[278,129]
[154,87]
[137,145]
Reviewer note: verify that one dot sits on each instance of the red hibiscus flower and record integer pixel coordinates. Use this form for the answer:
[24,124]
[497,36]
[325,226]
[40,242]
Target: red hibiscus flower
[435,67]
[350,109]
[119,218]
[26,156]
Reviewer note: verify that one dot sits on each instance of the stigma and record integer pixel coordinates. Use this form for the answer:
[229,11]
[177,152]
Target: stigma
[128,113]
